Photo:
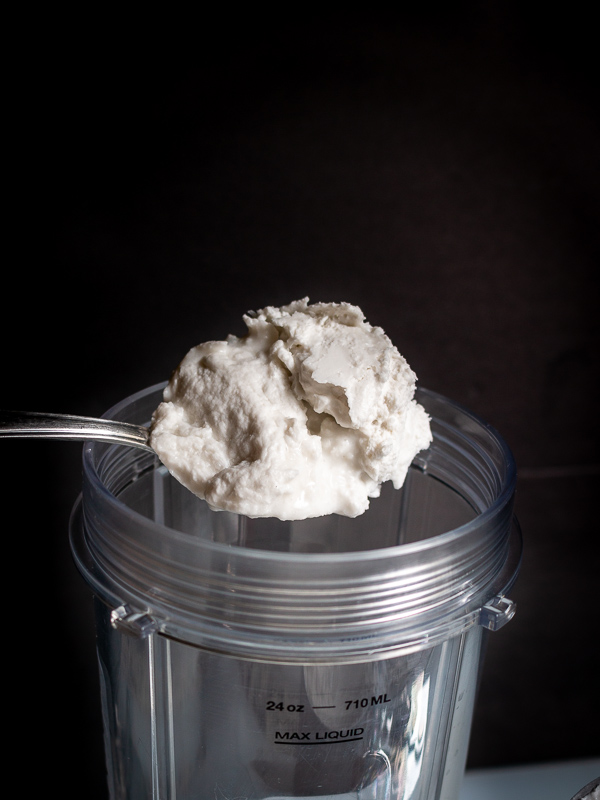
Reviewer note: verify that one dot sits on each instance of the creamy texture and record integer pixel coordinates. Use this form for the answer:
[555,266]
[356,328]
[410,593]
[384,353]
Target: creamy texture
[308,414]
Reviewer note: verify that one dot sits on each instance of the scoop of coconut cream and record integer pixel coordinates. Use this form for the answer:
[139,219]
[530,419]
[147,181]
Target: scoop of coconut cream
[308,414]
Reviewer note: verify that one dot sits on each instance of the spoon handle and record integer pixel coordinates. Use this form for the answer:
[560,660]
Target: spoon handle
[33,424]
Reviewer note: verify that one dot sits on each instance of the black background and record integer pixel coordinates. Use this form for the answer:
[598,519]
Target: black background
[438,168]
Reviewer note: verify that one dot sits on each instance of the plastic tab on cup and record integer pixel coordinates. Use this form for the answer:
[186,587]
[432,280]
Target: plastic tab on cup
[134,623]
[495,614]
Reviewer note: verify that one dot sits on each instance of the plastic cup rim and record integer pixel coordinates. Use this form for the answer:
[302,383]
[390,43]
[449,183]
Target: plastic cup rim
[439,541]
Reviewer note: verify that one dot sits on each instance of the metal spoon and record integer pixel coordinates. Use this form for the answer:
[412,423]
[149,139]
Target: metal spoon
[33,424]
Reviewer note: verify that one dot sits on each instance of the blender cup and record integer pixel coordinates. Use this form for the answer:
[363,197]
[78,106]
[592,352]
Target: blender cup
[258,659]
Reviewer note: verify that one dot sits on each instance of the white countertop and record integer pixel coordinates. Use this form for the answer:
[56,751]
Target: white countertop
[552,781]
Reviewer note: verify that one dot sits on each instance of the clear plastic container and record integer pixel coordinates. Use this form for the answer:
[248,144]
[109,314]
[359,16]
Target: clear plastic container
[335,657]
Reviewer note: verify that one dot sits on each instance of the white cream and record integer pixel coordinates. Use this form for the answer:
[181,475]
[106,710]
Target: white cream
[308,414]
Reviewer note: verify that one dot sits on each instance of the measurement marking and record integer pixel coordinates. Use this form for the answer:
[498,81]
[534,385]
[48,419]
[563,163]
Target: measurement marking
[328,741]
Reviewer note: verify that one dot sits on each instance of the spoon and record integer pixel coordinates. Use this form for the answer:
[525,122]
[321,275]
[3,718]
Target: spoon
[33,424]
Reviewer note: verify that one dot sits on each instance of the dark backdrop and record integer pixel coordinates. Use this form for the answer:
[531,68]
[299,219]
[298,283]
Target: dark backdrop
[440,169]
